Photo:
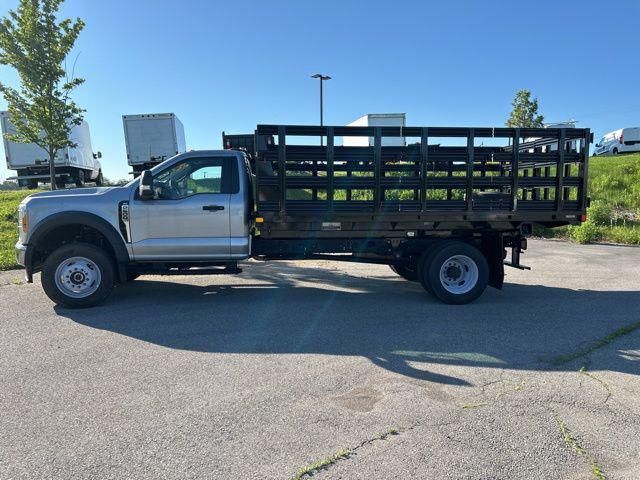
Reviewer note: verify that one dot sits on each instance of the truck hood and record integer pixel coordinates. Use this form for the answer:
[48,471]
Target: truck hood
[78,198]
[73,191]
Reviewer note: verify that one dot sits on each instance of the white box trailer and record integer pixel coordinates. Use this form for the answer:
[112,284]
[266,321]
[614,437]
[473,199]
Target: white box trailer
[151,139]
[377,120]
[72,164]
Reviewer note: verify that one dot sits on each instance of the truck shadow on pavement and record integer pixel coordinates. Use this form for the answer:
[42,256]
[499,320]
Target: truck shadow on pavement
[284,308]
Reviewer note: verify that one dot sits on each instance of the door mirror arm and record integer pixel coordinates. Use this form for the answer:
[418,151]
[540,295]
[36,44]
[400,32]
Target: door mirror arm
[145,188]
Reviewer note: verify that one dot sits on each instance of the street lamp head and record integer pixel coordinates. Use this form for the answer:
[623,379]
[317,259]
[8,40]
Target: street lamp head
[320,76]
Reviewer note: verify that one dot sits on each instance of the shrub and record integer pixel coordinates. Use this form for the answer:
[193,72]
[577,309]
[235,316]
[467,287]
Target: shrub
[599,213]
[588,232]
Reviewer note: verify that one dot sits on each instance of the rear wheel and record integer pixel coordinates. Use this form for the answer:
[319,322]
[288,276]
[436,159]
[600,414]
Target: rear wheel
[408,271]
[423,263]
[455,272]
[78,275]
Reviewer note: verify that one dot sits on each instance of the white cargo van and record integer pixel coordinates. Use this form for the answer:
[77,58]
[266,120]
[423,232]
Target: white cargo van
[72,164]
[151,139]
[622,140]
[377,120]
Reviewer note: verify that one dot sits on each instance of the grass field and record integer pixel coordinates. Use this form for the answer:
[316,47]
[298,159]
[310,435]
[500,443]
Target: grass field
[614,215]
[9,201]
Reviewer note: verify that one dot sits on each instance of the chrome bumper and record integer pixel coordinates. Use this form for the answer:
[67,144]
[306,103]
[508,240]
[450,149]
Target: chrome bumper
[21,252]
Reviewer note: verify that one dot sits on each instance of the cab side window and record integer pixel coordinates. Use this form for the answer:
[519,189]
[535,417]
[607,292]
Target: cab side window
[195,176]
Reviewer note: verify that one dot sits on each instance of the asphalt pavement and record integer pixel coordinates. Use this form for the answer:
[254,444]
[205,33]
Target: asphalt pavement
[265,373]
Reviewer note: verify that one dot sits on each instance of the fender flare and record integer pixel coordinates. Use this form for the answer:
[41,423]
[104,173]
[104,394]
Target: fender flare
[42,229]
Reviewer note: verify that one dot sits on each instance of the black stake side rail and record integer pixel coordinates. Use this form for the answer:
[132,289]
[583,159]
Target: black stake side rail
[527,177]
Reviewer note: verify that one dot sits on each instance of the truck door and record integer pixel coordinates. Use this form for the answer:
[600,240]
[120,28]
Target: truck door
[188,219]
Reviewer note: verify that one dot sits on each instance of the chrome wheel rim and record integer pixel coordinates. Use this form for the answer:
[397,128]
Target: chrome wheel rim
[459,274]
[78,277]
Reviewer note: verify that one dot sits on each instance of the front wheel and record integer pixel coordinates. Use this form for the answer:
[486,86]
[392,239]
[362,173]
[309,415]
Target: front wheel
[456,273]
[615,151]
[99,180]
[78,275]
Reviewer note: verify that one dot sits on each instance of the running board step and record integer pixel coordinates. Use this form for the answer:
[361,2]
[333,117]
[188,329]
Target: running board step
[518,266]
[194,271]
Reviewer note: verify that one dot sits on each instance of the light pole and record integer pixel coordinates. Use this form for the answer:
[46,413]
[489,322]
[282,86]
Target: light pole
[322,78]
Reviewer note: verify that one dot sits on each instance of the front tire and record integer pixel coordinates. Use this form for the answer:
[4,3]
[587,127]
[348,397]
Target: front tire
[455,272]
[99,180]
[615,151]
[78,275]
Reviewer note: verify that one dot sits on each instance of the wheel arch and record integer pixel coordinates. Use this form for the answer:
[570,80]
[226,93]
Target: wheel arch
[59,228]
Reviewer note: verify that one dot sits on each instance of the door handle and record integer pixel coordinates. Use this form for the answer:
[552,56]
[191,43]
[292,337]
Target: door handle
[213,207]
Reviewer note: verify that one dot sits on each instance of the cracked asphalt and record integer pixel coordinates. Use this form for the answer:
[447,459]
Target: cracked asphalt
[258,375]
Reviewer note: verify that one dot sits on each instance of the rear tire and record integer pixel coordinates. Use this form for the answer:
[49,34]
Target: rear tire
[423,263]
[408,271]
[455,272]
[78,275]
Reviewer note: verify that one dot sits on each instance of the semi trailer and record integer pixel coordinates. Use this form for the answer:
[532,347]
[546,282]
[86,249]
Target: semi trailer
[77,164]
[151,139]
[447,215]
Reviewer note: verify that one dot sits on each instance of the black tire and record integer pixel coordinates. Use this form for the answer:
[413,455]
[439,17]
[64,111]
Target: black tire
[79,178]
[99,180]
[408,272]
[98,260]
[464,260]
[615,151]
[423,262]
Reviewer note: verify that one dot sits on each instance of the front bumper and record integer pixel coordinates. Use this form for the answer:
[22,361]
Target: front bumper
[21,259]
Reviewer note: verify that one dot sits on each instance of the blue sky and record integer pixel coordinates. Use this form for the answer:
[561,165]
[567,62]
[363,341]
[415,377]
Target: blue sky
[231,65]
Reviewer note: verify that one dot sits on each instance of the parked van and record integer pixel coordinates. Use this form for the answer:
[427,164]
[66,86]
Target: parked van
[622,140]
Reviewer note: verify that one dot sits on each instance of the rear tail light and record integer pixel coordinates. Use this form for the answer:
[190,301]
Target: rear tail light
[583,217]
[621,138]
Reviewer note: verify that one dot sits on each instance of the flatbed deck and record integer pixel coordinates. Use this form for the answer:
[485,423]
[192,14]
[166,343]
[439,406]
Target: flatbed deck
[445,178]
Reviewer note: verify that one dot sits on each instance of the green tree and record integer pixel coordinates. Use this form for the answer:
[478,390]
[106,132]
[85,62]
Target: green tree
[36,45]
[525,112]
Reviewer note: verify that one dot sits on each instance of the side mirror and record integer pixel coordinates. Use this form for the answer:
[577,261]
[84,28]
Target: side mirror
[97,155]
[145,188]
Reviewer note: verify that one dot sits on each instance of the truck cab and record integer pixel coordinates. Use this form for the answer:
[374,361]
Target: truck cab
[197,209]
